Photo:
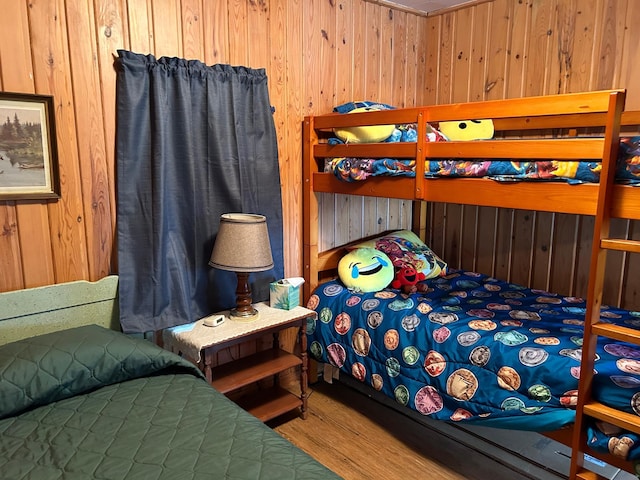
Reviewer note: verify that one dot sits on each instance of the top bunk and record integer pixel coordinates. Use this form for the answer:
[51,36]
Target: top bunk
[564,133]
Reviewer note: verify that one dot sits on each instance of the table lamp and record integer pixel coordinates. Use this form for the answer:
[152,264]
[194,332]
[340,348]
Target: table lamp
[242,246]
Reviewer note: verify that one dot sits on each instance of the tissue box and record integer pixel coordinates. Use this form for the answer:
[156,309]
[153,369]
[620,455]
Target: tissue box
[285,294]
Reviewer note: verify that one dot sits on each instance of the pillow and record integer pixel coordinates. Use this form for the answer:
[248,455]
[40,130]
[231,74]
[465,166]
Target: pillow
[467,129]
[434,135]
[38,370]
[365,270]
[628,168]
[363,134]
[349,106]
[405,248]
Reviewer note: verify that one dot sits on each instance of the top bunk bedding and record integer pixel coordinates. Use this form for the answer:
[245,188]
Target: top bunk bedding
[538,150]
[502,170]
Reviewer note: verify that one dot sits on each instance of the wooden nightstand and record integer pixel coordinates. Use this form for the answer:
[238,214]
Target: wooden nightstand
[201,343]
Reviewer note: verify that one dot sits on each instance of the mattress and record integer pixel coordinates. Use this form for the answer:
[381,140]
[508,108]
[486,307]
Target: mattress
[90,403]
[475,349]
[627,168]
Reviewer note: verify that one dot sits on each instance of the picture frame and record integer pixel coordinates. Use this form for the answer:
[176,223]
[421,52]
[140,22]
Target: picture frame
[28,147]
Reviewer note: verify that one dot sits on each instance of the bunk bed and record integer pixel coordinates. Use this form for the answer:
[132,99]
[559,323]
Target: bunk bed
[583,129]
[79,399]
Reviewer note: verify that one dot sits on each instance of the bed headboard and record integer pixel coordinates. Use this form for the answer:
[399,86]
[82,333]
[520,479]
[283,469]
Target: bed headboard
[34,311]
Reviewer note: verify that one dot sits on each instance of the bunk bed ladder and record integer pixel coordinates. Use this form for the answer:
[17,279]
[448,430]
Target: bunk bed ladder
[587,407]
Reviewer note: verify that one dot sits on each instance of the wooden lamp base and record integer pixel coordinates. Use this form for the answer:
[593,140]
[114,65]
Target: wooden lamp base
[244,311]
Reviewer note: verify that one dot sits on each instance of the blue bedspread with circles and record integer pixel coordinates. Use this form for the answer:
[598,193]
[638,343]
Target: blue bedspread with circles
[477,349]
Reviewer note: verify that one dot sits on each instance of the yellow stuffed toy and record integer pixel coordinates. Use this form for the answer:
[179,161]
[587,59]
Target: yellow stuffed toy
[364,134]
[462,130]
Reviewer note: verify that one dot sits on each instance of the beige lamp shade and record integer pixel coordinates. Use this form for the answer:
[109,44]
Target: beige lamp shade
[242,244]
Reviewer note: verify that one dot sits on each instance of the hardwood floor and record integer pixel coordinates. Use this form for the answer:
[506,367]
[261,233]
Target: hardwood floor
[360,438]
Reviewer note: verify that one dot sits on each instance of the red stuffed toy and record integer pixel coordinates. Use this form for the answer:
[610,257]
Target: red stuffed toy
[408,280]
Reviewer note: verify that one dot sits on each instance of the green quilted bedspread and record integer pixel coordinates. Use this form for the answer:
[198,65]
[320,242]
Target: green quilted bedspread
[89,403]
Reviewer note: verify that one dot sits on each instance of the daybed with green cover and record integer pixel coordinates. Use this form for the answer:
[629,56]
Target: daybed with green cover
[88,402]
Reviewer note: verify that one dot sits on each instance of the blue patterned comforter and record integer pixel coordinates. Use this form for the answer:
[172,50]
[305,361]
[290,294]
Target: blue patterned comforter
[475,349]
[627,169]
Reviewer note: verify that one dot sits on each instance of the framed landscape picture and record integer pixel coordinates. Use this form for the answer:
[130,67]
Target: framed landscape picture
[28,153]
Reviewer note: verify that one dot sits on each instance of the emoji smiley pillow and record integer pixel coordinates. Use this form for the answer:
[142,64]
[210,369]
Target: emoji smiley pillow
[366,270]
[405,248]
[462,130]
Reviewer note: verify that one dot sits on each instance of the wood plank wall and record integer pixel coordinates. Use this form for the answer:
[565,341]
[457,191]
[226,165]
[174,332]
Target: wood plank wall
[507,49]
[317,53]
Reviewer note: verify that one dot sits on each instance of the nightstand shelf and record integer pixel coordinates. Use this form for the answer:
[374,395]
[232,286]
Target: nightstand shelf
[201,344]
[270,403]
[248,370]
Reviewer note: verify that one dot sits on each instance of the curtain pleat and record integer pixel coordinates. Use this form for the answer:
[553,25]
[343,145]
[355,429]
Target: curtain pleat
[192,142]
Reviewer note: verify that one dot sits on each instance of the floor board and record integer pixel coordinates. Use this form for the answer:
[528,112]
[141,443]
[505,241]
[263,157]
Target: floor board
[360,438]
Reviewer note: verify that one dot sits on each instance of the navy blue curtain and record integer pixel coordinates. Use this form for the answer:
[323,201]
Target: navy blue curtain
[192,142]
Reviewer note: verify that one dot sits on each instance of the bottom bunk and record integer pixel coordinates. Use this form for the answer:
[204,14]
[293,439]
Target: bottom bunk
[471,349]
[525,455]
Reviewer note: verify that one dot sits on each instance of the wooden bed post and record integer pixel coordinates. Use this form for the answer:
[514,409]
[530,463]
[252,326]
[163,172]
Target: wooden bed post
[418,207]
[310,223]
[309,210]
[418,225]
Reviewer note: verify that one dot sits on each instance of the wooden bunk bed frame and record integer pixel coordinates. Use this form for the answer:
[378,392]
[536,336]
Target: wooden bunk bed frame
[536,121]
